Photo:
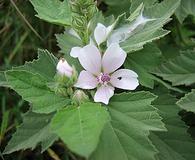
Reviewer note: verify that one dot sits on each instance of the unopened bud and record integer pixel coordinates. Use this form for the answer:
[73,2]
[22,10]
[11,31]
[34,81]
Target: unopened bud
[63,68]
[79,97]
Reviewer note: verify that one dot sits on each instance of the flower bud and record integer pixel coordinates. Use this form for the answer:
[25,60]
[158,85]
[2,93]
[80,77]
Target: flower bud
[79,97]
[63,68]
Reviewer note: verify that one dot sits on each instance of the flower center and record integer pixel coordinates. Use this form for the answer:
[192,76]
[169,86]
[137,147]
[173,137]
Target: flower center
[103,78]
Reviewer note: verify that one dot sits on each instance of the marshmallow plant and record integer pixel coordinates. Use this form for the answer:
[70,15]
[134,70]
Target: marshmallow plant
[99,98]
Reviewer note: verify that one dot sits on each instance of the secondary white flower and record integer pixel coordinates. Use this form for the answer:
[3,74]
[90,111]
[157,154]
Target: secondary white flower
[100,71]
[101,34]
[63,68]
[126,31]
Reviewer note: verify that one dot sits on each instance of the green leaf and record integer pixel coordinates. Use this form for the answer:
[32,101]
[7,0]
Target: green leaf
[48,141]
[80,127]
[179,71]
[114,8]
[188,102]
[152,30]
[168,51]
[168,85]
[66,42]
[136,13]
[45,65]
[126,136]
[144,61]
[162,11]
[187,7]
[176,143]
[53,11]
[137,41]
[136,3]
[33,88]
[33,131]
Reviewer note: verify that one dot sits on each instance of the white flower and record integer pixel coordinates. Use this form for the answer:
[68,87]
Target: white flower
[100,71]
[101,34]
[63,68]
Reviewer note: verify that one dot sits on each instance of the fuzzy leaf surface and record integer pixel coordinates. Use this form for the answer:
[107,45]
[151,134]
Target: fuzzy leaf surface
[33,88]
[80,127]
[176,143]
[53,11]
[136,3]
[33,131]
[126,136]
[144,61]
[116,9]
[188,102]
[44,65]
[180,70]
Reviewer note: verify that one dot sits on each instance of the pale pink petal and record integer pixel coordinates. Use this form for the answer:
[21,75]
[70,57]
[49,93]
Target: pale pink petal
[103,94]
[124,79]
[90,59]
[75,51]
[100,33]
[86,81]
[113,58]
